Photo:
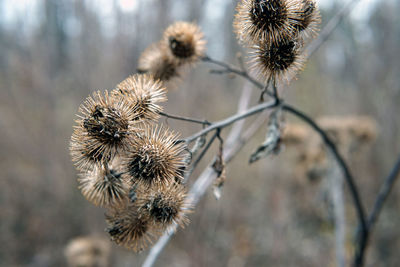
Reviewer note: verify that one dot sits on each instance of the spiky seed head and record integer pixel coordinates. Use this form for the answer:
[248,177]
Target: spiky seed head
[145,93]
[104,186]
[154,158]
[185,41]
[129,229]
[308,18]
[165,206]
[265,20]
[157,61]
[277,60]
[103,126]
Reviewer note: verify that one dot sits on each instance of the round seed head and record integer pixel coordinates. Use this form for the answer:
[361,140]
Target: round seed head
[103,127]
[265,20]
[154,158]
[155,60]
[145,93]
[308,18]
[277,60]
[104,186]
[165,206]
[126,228]
[185,42]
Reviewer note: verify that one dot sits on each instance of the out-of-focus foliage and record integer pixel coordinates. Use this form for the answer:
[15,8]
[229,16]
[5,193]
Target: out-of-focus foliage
[267,214]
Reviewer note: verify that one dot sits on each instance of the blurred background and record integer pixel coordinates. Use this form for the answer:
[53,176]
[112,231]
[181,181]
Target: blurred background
[54,53]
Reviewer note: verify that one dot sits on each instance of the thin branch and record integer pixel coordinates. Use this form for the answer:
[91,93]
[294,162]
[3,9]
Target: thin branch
[348,177]
[223,123]
[231,69]
[181,118]
[200,157]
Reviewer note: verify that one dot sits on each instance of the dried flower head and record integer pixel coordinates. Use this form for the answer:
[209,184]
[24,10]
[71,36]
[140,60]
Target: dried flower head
[166,206]
[265,20]
[185,42]
[154,158]
[88,251]
[308,18]
[277,60]
[104,186]
[127,228]
[155,60]
[146,93]
[104,125]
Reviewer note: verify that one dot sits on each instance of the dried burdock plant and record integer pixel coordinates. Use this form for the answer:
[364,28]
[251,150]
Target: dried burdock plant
[104,186]
[105,124]
[164,206]
[279,61]
[268,21]
[130,229]
[154,158]
[148,183]
[185,42]
[157,61]
[146,93]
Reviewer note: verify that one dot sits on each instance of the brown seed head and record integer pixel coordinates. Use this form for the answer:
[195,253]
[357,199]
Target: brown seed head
[154,158]
[277,60]
[104,186]
[128,229]
[146,93]
[268,21]
[88,251]
[308,18]
[185,42]
[104,125]
[156,60]
[164,206]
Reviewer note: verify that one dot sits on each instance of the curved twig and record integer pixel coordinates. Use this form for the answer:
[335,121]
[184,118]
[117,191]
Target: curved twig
[348,177]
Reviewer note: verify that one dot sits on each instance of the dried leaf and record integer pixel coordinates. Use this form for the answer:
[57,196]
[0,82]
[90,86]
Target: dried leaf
[272,139]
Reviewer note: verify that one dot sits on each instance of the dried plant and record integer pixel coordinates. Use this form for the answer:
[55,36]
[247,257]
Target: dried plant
[103,128]
[130,229]
[165,206]
[185,42]
[268,21]
[146,93]
[145,192]
[154,158]
[156,61]
[88,251]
